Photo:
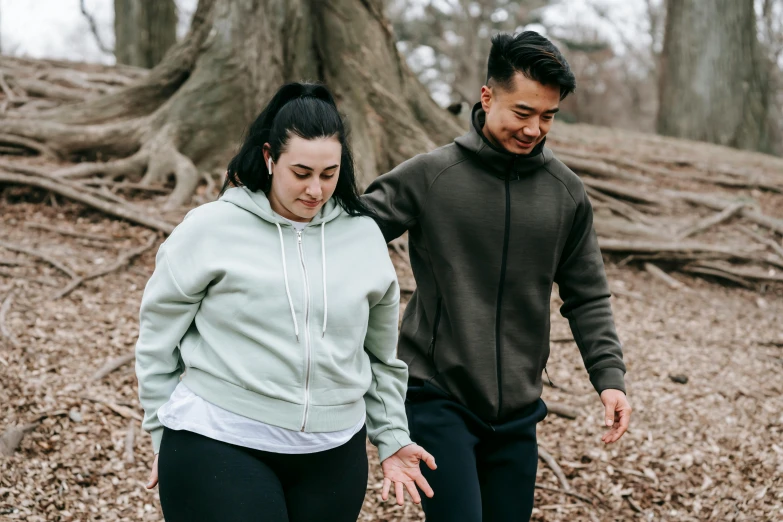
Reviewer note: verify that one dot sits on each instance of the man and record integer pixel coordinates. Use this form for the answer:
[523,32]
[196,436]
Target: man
[494,219]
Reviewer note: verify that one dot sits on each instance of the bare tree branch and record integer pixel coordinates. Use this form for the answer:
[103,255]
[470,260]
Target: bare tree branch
[94,29]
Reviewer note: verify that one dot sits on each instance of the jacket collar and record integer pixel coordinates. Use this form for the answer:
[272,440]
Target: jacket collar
[500,162]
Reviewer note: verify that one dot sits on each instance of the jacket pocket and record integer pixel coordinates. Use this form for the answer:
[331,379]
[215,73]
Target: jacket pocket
[431,351]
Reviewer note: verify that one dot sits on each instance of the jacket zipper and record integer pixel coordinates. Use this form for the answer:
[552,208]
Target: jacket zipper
[307,330]
[498,344]
[431,351]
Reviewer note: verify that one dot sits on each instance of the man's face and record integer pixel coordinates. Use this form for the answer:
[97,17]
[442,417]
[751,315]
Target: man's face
[518,118]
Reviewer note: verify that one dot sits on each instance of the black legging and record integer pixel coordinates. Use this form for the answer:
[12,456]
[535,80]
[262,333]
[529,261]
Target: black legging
[202,479]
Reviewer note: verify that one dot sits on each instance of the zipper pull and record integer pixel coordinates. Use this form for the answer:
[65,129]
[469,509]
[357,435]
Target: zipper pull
[299,234]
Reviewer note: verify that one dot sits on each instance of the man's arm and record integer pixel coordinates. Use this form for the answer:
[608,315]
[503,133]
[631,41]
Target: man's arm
[584,290]
[397,198]
[581,279]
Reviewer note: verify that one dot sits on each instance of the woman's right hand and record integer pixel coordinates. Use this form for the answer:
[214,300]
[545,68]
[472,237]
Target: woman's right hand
[153,481]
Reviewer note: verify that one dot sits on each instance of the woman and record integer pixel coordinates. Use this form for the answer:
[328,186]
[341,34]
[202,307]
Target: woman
[268,335]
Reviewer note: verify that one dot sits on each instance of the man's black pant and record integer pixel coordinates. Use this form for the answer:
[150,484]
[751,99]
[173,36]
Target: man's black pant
[486,473]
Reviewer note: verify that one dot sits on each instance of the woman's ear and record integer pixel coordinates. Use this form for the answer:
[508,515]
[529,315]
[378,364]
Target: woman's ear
[268,157]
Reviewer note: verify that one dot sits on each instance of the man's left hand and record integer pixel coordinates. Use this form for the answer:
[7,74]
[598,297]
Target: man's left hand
[618,414]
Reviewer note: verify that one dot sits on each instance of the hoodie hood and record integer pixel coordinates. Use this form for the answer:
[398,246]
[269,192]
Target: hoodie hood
[257,203]
[499,161]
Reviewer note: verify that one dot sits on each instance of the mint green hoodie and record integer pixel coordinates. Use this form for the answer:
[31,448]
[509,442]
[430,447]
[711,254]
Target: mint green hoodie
[297,331]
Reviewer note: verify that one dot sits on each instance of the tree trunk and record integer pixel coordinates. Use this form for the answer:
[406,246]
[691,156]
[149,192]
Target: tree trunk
[144,30]
[715,78]
[188,116]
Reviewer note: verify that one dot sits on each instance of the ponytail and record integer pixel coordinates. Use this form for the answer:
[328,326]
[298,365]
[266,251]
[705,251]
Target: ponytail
[297,109]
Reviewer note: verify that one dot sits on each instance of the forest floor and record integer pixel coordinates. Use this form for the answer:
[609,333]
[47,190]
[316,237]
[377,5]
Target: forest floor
[706,449]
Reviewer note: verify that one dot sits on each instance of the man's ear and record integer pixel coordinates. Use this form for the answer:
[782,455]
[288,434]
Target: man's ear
[486,97]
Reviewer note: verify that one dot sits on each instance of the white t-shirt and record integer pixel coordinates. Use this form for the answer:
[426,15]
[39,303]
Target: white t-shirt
[298,225]
[187,411]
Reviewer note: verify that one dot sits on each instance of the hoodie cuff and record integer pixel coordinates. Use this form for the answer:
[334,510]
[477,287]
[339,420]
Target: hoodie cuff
[608,379]
[157,436]
[390,441]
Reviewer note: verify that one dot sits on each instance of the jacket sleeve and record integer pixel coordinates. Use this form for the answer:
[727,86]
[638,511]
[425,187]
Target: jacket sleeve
[397,198]
[168,308]
[583,287]
[387,425]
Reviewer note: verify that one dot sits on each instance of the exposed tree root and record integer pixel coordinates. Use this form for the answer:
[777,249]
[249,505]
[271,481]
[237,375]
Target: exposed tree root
[125,212]
[141,129]
[165,159]
[131,166]
[25,144]
[124,260]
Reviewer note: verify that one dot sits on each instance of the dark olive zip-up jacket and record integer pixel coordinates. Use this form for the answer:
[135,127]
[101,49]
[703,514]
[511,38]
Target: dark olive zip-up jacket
[489,234]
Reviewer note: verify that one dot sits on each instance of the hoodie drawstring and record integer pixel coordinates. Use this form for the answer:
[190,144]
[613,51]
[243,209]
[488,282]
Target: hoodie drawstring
[287,289]
[323,259]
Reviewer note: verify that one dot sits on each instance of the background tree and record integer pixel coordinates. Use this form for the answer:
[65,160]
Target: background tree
[187,115]
[615,62]
[717,82]
[144,30]
[613,57]
[447,43]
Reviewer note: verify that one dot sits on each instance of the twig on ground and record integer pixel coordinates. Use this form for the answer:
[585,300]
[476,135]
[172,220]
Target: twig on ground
[711,221]
[40,255]
[633,504]
[620,207]
[758,237]
[130,438]
[663,276]
[8,334]
[746,273]
[569,492]
[124,260]
[719,274]
[13,435]
[112,365]
[562,410]
[14,262]
[12,438]
[122,411]
[41,281]
[555,467]
[621,292]
[65,232]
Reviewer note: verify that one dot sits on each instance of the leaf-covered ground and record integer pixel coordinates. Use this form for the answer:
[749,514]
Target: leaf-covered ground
[708,449]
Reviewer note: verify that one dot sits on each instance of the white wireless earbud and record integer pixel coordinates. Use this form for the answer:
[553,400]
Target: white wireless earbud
[269,166]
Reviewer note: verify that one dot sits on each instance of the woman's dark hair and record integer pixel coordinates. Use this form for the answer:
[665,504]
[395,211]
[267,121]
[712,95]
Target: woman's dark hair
[534,56]
[297,109]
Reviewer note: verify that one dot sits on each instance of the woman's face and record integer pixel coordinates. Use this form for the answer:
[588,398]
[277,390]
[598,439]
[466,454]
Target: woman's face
[304,176]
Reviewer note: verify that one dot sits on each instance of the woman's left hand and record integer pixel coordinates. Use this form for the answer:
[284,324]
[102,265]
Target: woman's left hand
[403,468]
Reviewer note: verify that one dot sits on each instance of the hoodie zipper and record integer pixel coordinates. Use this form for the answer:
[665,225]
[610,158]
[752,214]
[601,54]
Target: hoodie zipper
[306,328]
[498,344]
[431,351]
